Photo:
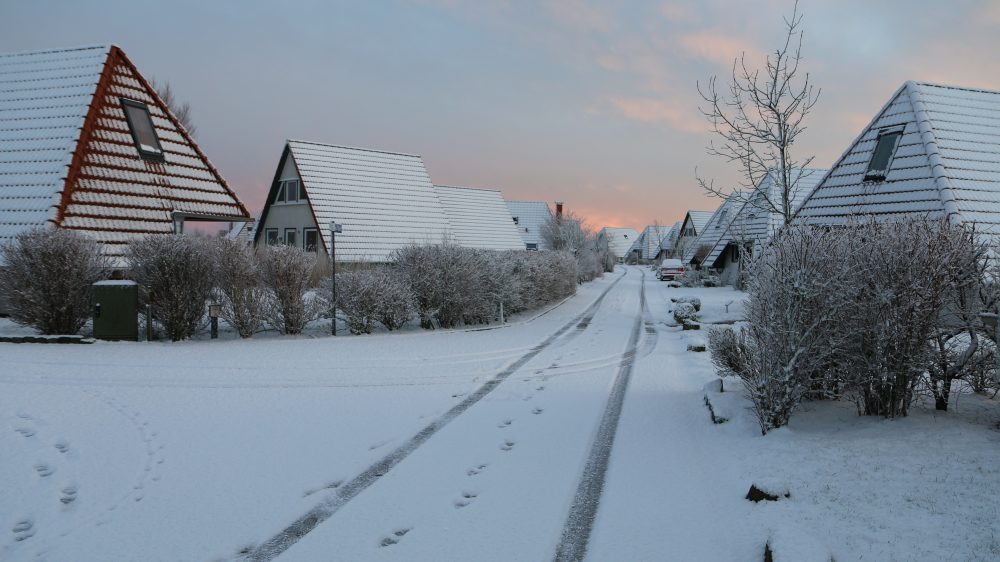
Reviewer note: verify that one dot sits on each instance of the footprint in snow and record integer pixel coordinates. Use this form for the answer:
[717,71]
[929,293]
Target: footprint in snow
[466,499]
[23,529]
[44,470]
[61,446]
[68,494]
[476,470]
[537,411]
[540,388]
[507,445]
[394,537]
[25,431]
[505,423]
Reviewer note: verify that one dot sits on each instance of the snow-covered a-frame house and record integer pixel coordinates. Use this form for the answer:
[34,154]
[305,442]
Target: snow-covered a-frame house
[932,151]
[649,241]
[755,221]
[479,218]
[669,241]
[383,201]
[86,144]
[529,217]
[618,240]
[692,225]
[709,234]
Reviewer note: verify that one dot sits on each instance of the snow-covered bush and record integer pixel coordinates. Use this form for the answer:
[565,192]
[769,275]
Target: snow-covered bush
[693,301]
[287,272]
[728,350]
[239,287]
[588,266]
[378,294]
[684,312]
[175,277]
[47,277]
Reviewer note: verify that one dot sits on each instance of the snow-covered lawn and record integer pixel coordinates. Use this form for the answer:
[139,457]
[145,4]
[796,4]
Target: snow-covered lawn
[198,450]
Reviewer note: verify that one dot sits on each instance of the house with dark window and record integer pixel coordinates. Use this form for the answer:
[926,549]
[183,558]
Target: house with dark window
[709,234]
[669,242]
[754,222]
[692,225]
[617,240]
[86,144]
[529,217]
[932,151]
[383,201]
[647,246]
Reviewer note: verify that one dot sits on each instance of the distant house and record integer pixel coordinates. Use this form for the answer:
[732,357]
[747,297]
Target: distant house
[932,151]
[479,218]
[755,222]
[618,240]
[647,245]
[709,234]
[529,217]
[87,145]
[692,225]
[383,200]
[669,241]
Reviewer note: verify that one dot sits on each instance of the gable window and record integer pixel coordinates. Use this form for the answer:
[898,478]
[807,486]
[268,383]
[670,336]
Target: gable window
[310,239]
[878,166]
[140,124]
[515,220]
[531,246]
[291,237]
[290,191]
[271,236]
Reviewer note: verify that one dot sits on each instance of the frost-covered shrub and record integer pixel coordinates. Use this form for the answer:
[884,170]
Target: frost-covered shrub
[693,301]
[729,351]
[175,277]
[374,295]
[684,312]
[588,266]
[287,272]
[47,277]
[240,288]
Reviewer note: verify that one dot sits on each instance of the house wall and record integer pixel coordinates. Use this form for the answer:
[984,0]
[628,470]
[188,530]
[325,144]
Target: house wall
[282,216]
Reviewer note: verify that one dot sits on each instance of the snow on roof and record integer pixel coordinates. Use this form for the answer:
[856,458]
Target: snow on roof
[479,218]
[44,98]
[946,163]
[384,200]
[712,231]
[670,240]
[619,240]
[68,158]
[529,217]
[754,221]
[650,240]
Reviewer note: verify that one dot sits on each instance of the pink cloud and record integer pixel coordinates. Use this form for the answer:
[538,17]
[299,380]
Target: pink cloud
[718,47]
[678,11]
[581,15]
[664,111]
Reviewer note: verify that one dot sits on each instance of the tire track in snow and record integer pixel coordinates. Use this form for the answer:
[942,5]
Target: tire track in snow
[580,520]
[291,534]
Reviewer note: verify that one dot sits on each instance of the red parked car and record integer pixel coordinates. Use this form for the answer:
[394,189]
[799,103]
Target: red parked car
[670,269]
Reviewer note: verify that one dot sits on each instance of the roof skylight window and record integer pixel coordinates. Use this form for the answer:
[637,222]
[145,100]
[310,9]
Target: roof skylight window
[143,132]
[878,167]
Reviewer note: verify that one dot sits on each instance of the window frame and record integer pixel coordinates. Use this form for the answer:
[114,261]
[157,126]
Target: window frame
[531,246]
[143,153]
[295,235]
[305,237]
[267,236]
[873,175]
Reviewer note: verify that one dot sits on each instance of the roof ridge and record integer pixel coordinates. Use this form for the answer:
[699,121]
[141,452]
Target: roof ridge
[106,46]
[353,148]
[466,187]
[953,87]
[941,180]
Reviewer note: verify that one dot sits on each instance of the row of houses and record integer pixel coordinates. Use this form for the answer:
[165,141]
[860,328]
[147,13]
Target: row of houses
[87,144]
[932,151]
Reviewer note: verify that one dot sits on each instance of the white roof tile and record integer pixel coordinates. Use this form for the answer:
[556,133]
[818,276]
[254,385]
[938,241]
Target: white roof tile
[713,230]
[619,240]
[947,162]
[479,218]
[530,216]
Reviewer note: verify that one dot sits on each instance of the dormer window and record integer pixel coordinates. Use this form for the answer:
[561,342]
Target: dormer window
[878,166]
[515,220]
[140,124]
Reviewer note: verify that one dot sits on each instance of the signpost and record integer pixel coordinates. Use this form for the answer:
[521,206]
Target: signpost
[334,230]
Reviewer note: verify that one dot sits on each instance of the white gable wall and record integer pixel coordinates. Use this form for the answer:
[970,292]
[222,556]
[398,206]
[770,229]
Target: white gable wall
[283,216]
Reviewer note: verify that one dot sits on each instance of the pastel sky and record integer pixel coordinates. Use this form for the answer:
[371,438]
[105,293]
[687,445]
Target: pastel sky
[586,101]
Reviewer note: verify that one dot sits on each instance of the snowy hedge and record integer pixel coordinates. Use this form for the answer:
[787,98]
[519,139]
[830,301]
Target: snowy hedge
[240,287]
[380,294]
[47,278]
[863,311]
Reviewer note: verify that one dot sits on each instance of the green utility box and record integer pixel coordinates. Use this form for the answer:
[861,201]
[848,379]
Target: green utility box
[116,305]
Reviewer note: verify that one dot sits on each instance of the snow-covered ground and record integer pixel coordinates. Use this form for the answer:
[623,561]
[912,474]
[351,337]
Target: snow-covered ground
[201,450]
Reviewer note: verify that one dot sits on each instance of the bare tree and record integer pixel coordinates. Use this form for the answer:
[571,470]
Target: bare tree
[180,110]
[759,118]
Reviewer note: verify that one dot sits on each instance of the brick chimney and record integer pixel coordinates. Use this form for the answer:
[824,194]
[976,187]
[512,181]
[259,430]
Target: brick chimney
[559,210]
